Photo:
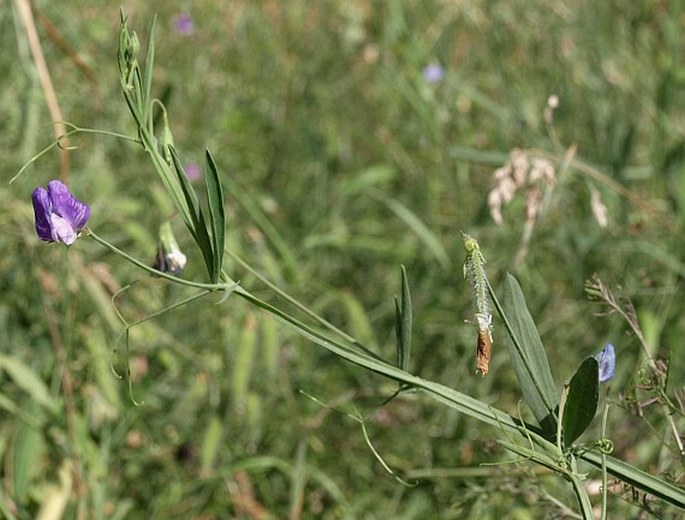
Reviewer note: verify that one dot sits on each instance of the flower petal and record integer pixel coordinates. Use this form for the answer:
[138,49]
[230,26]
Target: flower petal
[42,208]
[64,204]
[607,363]
[62,230]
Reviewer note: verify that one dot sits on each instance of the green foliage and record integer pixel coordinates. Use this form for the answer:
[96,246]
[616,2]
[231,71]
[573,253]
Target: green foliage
[339,163]
[580,405]
[403,322]
[528,358]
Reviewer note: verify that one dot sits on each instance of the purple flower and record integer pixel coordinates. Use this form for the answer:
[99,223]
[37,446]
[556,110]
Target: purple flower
[607,363]
[193,171]
[59,215]
[433,73]
[184,25]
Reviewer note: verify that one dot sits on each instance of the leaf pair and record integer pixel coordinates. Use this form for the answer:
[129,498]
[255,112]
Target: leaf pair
[209,231]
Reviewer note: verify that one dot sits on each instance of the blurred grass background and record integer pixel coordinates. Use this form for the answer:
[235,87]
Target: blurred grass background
[347,162]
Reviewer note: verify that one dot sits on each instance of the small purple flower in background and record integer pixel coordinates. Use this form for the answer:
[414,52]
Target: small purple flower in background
[183,24]
[193,171]
[59,215]
[433,73]
[607,363]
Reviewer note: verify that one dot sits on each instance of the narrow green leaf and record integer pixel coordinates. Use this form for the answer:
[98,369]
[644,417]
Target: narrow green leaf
[368,178]
[528,357]
[298,480]
[100,352]
[403,322]
[14,408]
[210,444]
[581,402]
[244,362]
[196,224]
[478,156]
[28,456]
[27,380]
[642,480]
[217,215]
[358,319]
[270,347]
[146,94]
[256,213]
[399,336]
[193,399]
[429,239]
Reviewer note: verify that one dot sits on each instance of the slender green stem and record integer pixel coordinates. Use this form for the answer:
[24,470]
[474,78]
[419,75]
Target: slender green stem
[605,416]
[581,494]
[636,477]
[74,131]
[160,312]
[562,406]
[231,286]
[302,307]
[455,399]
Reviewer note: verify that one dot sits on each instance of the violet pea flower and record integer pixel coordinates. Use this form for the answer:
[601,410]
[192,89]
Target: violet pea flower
[59,215]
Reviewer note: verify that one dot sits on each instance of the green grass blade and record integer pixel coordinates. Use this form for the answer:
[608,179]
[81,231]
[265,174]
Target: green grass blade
[358,321]
[27,462]
[259,217]
[403,322]
[580,406]
[474,155]
[367,179]
[399,336]
[26,379]
[528,357]
[420,229]
[211,443]
[217,215]
[243,370]
[298,480]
